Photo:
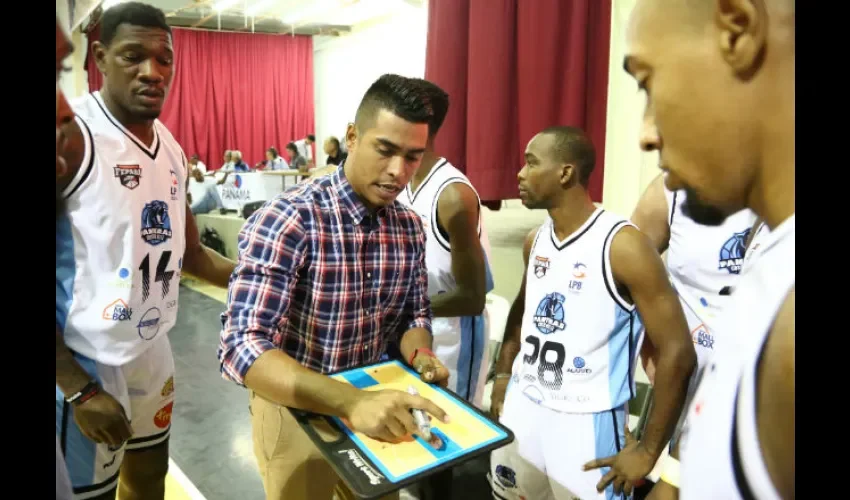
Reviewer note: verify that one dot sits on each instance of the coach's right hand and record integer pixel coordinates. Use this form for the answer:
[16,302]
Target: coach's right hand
[102,419]
[497,397]
[385,415]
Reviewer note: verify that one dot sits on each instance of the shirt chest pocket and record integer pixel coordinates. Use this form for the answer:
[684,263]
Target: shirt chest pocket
[393,288]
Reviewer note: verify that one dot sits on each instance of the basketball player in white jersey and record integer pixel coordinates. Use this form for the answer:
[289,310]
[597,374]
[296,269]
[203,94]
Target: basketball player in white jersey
[703,262]
[592,281]
[719,78]
[459,276]
[63,115]
[122,244]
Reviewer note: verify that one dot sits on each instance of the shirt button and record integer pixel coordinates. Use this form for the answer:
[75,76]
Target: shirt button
[368,275]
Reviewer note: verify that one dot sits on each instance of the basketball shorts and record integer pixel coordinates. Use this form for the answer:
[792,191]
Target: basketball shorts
[145,387]
[461,345]
[545,460]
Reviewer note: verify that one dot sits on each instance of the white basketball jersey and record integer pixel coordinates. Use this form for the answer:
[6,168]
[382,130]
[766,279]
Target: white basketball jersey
[720,451]
[438,256]
[703,261]
[580,337]
[460,342]
[119,246]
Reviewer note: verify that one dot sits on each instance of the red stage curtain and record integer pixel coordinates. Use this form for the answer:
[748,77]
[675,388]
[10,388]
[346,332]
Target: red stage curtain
[238,91]
[510,72]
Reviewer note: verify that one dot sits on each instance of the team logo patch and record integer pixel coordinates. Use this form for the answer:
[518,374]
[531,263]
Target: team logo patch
[549,316]
[541,266]
[506,476]
[168,388]
[175,186]
[117,311]
[129,175]
[162,419]
[156,224]
[732,252]
[149,324]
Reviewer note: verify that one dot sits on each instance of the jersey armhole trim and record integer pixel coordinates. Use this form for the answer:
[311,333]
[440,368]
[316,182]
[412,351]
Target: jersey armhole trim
[608,274]
[751,476]
[436,222]
[86,164]
[673,207]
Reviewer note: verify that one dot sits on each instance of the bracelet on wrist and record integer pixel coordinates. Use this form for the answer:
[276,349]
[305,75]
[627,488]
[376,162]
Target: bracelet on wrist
[418,351]
[500,376]
[89,391]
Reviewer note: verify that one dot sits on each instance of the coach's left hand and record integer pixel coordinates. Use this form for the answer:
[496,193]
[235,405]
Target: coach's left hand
[628,468]
[431,370]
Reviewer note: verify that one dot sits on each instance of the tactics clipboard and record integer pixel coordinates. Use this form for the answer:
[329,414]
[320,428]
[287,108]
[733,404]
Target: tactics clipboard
[371,468]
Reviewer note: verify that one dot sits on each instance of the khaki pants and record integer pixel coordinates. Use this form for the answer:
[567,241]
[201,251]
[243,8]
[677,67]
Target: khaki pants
[291,466]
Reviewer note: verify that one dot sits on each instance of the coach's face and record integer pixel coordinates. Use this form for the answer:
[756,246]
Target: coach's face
[137,68]
[695,61]
[384,156]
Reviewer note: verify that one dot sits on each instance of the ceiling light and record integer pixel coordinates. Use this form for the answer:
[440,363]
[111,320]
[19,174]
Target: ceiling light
[110,3]
[225,4]
[259,7]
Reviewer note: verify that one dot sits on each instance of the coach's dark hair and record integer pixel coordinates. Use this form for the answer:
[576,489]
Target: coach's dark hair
[573,146]
[401,96]
[439,103]
[132,13]
[293,147]
[311,137]
[273,151]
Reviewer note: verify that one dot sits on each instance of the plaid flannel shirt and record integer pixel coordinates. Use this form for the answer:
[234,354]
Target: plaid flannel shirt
[325,280]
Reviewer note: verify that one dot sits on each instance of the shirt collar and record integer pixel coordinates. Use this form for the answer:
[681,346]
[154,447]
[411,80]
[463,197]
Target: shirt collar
[349,199]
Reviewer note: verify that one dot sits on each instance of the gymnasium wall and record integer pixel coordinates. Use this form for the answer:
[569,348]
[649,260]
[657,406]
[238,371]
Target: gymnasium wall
[345,66]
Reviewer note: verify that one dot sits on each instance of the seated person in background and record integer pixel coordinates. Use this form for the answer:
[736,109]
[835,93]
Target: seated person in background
[296,161]
[305,149]
[238,164]
[202,193]
[195,162]
[274,161]
[335,155]
[228,161]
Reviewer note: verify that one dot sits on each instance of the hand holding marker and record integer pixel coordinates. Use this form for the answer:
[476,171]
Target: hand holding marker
[423,422]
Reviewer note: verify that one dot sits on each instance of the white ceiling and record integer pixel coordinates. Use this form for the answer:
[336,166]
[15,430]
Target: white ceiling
[327,17]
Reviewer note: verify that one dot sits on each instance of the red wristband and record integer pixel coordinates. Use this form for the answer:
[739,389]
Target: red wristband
[420,350]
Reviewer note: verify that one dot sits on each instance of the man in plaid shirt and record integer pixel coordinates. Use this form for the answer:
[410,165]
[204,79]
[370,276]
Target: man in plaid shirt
[328,273]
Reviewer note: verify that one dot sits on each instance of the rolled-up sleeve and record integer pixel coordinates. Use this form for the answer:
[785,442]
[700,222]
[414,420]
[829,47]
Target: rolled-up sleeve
[418,304]
[271,252]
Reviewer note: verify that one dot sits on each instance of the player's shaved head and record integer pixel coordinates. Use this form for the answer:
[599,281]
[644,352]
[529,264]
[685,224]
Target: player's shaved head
[719,79]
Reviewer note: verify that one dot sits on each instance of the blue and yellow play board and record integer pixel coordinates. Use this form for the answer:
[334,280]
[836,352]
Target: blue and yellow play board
[374,468]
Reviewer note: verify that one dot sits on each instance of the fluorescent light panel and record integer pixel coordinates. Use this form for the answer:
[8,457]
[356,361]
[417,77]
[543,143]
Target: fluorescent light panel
[259,7]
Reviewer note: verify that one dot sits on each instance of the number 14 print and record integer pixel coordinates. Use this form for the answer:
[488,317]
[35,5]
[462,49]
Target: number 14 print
[161,276]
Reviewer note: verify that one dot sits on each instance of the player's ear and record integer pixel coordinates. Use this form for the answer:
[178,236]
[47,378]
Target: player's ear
[351,134]
[99,51]
[568,174]
[742,26]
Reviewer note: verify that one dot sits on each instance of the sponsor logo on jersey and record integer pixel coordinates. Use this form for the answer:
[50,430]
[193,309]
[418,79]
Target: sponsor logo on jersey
[129,175]
[578,367]
[117,311]
[732,252]
[549,316]
[125,279]
[541,266]
[149,324]
[579,273]
[175,186]
[506,476]
[162,419]
[168,388]
[171,304]
[702,337]
[156,224]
